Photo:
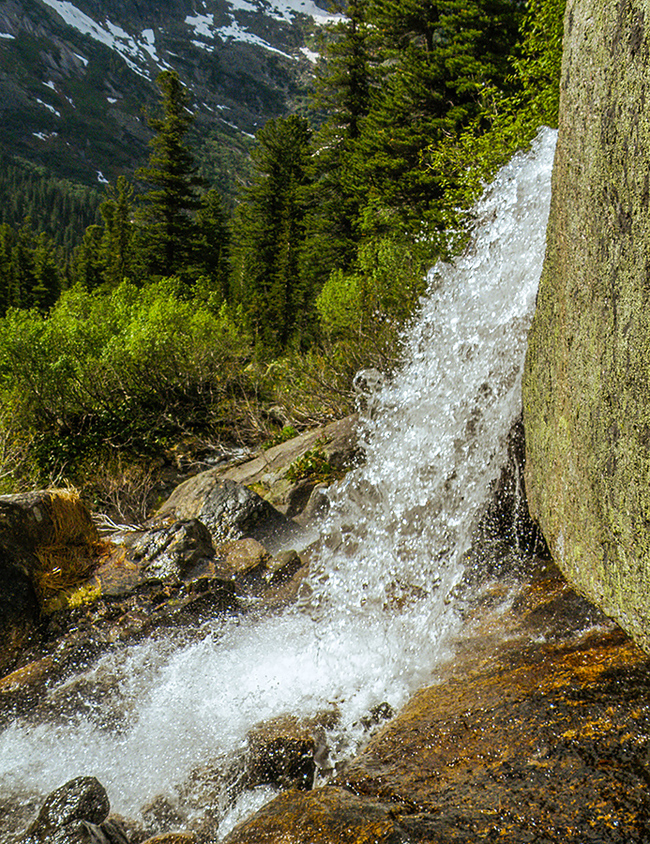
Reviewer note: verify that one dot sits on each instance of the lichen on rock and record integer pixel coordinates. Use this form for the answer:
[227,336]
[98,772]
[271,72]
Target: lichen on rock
[586,386]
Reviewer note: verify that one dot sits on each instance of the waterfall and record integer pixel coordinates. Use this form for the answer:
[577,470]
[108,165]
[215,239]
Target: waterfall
[378,612]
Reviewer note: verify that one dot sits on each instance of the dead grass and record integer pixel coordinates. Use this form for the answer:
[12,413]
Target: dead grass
[75,549]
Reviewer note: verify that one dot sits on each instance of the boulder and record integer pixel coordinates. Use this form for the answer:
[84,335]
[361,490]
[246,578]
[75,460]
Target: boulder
[283,567]
[269,473]
[181,551]
[81,799]
[281,752]
[586,386]
[76,813]
[229,510]
[160,814]
[243,560]
[47,539]
[328,816]
[46,518]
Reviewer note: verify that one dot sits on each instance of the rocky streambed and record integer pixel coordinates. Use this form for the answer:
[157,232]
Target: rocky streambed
[534,729]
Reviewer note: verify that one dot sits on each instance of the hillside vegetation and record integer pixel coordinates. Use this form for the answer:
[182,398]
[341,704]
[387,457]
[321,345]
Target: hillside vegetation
[175,319]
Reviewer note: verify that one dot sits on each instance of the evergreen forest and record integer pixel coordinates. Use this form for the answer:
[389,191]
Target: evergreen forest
[155,313]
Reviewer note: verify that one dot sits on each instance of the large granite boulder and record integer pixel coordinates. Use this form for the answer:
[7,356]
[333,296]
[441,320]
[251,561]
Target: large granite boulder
[586,385]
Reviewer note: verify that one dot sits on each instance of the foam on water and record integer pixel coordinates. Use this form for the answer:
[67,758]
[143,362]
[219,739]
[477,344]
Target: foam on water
[379,612]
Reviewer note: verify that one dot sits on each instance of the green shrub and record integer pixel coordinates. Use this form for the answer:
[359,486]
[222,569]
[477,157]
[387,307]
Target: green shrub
[127,370]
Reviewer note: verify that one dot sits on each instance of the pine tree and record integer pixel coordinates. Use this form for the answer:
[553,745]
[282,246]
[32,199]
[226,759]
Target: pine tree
[269,230]
[167,225]
[436,58]
[22,267]
[46,285]
[6,244]
[87,267]
[212,252]
[343,92]
[116,251]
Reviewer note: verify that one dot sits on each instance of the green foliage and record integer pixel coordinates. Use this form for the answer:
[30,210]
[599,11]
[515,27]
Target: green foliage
[211,259]
[434,61]
[57,207]
[313,465]
[30,276]
[383,291]
[333,200]
[127,370]
[178,325]
[508,121]
[284,435]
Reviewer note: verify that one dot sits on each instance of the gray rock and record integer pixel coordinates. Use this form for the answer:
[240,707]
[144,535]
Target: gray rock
[586,386]
[229,510]
[73,814]
[171,552]
[82,832]
[83,798]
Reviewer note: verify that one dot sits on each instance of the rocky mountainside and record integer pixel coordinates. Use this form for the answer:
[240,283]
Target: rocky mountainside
[75,78]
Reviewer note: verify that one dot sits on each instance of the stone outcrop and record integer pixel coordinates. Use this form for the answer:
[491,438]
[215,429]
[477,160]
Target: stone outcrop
[537,731]
[260,497]
[229,510]
[586,385]
[329,816]
[269,472]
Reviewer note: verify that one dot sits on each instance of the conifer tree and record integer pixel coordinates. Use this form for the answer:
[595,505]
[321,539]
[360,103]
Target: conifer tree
[6,240]
[436,58]
[268,231]
[212,252]
[168,229]
[116,250]
[46,284]
[87,266]
[343,92]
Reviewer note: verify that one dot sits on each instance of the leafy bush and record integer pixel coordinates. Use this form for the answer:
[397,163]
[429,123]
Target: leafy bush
[313,465]
[126,370]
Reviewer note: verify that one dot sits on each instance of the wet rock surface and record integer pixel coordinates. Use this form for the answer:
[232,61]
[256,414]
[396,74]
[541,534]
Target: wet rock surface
[537,732]
[64,588]
[76,813]
[319,817]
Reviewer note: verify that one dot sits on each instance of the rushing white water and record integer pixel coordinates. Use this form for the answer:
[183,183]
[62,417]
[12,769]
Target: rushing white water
[379,613]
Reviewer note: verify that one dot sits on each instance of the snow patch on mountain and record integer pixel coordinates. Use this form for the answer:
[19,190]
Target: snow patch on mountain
[134,51]
[48,107]
[8,36]
[310,54]
[286,10]
[203,26]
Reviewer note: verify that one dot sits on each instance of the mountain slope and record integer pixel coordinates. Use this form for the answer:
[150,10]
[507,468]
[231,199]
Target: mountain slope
[75,78]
